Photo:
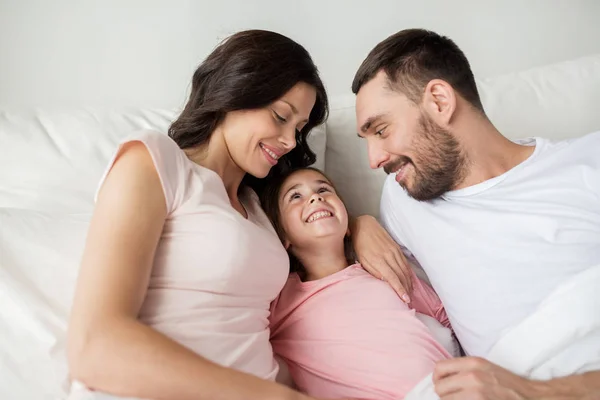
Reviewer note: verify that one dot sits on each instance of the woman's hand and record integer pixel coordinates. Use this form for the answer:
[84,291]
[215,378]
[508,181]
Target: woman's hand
[380,255]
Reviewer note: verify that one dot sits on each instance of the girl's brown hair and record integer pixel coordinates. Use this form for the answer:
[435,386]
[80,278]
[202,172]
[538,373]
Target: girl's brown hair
[270,203]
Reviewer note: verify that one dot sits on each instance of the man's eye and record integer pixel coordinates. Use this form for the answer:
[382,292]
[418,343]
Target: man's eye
[380,132]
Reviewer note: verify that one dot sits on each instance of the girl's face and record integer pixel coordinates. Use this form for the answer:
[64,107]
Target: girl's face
[256,139]
[310,209]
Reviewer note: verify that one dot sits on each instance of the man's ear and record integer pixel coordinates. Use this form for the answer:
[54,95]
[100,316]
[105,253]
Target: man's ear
[439,99]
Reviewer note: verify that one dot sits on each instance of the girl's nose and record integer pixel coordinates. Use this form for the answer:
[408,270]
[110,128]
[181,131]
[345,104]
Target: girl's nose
[315,198]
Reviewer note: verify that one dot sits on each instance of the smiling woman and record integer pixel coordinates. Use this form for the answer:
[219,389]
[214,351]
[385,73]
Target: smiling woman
[163,307]
[253,79]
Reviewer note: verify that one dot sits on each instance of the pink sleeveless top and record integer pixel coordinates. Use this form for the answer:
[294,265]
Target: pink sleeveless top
[215,273]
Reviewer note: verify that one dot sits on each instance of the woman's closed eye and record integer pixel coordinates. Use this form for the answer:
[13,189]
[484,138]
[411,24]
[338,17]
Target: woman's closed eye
[279,117]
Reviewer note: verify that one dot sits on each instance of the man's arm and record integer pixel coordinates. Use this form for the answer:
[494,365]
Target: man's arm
[584,386]
[380,255]
[472,377]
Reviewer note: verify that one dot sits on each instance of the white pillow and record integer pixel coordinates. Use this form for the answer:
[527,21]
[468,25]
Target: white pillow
[347,164]
[557,101]
[317,140]
[39,259]
[52,160]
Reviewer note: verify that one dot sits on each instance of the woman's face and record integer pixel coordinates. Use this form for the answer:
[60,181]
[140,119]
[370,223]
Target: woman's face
[256,139]
[310,209]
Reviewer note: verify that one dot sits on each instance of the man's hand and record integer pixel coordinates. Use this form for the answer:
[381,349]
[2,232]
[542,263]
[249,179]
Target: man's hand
[473,378]
[380,255]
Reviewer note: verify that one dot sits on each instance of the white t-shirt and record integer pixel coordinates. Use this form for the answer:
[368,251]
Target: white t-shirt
[495,250]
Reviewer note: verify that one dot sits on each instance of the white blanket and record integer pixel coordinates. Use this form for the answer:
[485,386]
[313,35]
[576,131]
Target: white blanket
[561,338]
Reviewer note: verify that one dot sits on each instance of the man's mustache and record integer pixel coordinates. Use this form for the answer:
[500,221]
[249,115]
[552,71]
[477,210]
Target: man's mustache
[394,165]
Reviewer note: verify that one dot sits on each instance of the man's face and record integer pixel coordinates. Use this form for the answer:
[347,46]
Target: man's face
[403,139]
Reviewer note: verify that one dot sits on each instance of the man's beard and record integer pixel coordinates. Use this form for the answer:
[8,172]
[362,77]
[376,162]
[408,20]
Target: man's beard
[439,164]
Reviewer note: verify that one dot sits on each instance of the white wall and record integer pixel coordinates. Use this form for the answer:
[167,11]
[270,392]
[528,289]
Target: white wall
[143,52]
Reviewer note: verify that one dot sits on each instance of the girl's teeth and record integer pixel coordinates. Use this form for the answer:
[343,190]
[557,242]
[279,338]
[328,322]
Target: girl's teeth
[319,215]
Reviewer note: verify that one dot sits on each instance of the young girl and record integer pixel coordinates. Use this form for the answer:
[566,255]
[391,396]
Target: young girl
[342,332]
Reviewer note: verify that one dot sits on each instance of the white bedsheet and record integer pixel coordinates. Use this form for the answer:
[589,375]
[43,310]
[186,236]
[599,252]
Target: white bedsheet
[39,257]
[561,338]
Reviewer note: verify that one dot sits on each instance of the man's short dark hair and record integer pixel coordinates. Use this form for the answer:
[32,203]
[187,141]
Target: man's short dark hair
[411,58]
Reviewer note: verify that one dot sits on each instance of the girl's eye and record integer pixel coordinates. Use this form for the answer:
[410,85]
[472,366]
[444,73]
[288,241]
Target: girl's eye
[280,118]
[295,196]
[323,189]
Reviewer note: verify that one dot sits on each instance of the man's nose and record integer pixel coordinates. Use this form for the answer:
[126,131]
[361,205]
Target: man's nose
[377,156]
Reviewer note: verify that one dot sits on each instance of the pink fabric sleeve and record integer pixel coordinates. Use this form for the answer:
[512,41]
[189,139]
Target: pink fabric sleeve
[426,301]
[272,315]
[168,161]
[276,313]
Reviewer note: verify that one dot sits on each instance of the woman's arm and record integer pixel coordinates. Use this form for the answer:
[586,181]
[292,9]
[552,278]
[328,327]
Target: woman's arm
[108,349]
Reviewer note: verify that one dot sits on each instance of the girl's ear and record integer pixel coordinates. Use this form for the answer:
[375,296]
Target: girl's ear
[287,244]
[348,232]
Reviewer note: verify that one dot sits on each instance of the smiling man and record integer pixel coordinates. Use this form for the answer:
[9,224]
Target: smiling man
[497,225]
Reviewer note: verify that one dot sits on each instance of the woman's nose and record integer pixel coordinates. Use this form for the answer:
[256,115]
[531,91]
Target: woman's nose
[288,140]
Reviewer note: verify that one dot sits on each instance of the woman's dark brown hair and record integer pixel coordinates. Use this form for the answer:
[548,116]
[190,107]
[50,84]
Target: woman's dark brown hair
[250,70]
[270,203]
